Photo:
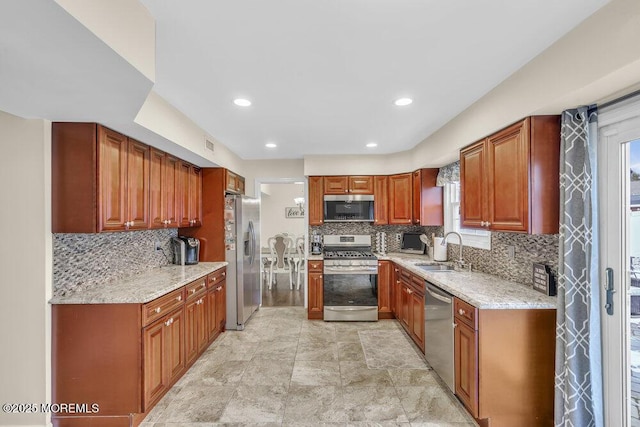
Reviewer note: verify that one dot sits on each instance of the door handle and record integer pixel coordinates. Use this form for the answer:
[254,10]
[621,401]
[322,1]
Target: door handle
[608,286]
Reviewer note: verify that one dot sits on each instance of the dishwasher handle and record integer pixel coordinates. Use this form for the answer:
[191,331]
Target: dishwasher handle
[437,295]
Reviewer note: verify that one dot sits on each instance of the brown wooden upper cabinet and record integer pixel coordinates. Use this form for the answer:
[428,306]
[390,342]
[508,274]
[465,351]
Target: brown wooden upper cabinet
[427,198]
[104,181]
[509,181]
[348,185]
[400,199]
[316,203]
[381,199]
[234,183]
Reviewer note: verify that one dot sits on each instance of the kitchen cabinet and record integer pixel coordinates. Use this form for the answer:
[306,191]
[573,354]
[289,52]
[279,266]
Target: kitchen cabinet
[126,356]
[190,181]
[396,292]
[316,202]
[381,199]
[400,199]
[509,181]
[316,289]
[384,290]
[427,198]
[504,364]
[234,183]
[104,181]
[164,198]
[164,356]
[217,306]
[348,184]
[411,306]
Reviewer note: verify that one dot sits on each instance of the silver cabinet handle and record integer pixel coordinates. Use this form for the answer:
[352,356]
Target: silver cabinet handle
[158,310]
[179,298]
[169,322]
[461,312]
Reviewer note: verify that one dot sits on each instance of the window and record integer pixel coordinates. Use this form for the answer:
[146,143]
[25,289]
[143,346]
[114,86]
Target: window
[470,236]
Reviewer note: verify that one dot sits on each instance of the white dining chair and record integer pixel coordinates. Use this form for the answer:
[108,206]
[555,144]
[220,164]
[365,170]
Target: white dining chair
[299,260]
[281,262]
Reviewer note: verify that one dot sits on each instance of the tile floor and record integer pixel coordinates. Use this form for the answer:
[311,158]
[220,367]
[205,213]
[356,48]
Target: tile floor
[284,370]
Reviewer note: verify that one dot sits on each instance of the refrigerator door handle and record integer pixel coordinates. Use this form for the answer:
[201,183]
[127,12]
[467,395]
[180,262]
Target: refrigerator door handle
[252,243]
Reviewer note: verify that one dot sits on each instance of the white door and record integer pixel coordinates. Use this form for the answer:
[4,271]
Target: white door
[619,159]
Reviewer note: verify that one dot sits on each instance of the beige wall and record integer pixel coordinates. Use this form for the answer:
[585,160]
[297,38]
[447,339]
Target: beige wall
[257,171]
[125,25]
[25,262]
[272,206]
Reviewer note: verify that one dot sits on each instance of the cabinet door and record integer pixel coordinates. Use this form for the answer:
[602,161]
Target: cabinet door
[316,304]
[336,185]
[157,192]
[173,197]
[221,306]
[360,184]
[384,289]
[400,203]
[466,366]
[416,182]
[212,304]
[405,296]
[508,178]
[472,185]
[381,197]
[112,177]
[397,292]
[138,185]
[155,381]
[175,346]
[191,330]
[417,318]
[316,202]
[185,205]
[195,196]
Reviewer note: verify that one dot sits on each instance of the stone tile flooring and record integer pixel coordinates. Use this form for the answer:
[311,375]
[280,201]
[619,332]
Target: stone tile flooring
[284,370]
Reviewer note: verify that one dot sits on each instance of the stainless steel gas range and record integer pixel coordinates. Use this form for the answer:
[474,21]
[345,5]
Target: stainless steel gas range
[350,279]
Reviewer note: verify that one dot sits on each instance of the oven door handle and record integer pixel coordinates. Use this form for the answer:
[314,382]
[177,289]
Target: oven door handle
[350,270]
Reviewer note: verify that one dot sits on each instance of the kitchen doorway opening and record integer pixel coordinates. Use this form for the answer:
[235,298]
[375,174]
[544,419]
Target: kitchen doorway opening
[619,157]
[284,240]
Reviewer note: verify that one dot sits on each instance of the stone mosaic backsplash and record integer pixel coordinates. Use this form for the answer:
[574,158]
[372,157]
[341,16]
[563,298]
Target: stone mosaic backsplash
[393,245]
[85,260]
[528,248]
[541,248]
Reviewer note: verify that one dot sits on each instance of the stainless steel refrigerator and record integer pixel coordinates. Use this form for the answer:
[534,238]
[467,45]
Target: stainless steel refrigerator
[242,240]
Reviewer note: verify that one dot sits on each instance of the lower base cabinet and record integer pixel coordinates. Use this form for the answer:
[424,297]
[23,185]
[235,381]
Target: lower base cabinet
[410,305]
[504,364]
[125,357]
[316,290]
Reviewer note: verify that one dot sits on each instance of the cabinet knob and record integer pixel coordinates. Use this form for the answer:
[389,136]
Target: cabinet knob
[193,291]
[224,274]
[179,298]
[158,309]
[219,288]
[409,291]
[215,278]
[488,223]
[320,276]
[461,312]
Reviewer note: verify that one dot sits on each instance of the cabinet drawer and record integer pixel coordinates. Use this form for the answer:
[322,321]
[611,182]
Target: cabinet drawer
[418,284]
[157,308]
[195,287]
[216,277]
[315,266]
[466,313]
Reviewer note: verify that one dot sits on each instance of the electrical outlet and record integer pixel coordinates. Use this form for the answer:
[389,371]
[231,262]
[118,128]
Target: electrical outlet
[511,251]
[158,246]
[398,237]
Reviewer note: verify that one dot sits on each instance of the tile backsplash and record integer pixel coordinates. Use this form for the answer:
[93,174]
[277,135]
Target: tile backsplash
[84,260]
[527,248]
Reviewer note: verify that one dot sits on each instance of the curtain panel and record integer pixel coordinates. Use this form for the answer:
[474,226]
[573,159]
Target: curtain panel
[449,173]
[578,380]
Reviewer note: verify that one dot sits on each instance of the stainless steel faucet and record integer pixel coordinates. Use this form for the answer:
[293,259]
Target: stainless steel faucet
[460,261]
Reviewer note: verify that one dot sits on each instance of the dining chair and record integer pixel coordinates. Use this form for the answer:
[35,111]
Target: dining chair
[299,260]
[280,247]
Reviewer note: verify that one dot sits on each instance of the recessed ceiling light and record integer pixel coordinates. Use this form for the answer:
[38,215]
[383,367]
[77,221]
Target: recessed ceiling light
[372,145]
[270,145]
[241,102]
[401,102]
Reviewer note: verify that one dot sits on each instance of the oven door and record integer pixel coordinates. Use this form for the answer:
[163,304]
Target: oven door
[350,294]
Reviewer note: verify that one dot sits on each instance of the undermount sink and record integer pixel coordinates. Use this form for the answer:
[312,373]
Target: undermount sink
[434,267]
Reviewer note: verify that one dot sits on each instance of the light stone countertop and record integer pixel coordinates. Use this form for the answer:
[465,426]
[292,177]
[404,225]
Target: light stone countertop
[481,290]
[140,288]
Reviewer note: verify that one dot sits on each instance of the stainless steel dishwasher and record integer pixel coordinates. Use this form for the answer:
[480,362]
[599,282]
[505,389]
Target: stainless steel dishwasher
[438,332]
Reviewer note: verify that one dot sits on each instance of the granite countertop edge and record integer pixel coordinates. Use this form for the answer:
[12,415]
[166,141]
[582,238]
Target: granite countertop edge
[483,291]
[140,288]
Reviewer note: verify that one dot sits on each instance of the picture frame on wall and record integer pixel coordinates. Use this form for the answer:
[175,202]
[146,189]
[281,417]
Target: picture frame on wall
[294,212]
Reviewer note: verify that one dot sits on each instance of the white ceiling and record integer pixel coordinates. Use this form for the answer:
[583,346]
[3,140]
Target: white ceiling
[323,75]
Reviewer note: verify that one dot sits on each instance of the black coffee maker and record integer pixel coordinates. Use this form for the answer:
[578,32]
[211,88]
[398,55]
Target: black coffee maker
[186,250]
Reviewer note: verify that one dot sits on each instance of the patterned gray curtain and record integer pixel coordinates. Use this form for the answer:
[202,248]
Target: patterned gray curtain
[448,173]
[578,382]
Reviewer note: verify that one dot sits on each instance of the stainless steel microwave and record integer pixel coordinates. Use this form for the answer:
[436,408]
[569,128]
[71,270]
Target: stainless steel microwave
[351,208]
